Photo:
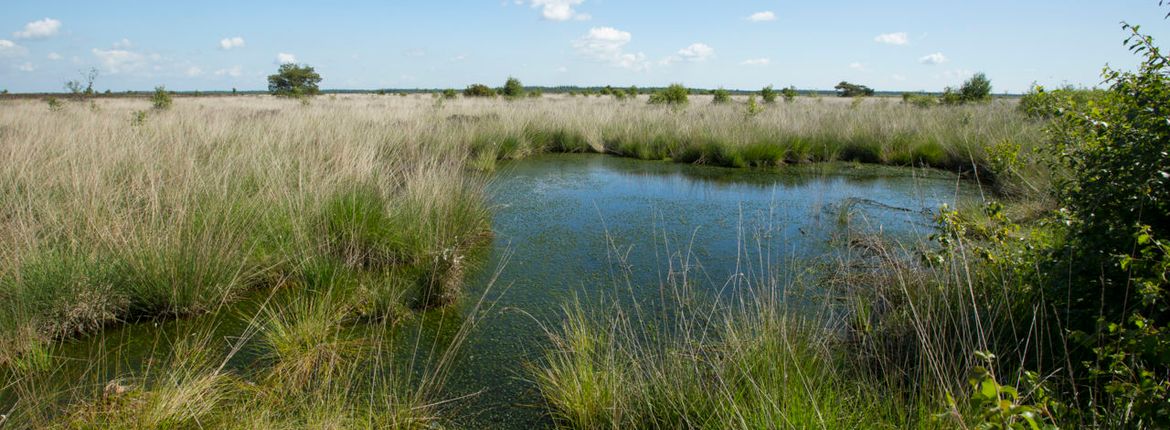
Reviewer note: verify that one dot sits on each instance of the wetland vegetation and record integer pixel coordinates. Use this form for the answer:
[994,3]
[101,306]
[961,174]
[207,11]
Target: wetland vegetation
[637,261]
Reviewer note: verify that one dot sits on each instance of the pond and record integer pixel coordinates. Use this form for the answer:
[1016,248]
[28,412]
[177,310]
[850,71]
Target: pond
[593,228]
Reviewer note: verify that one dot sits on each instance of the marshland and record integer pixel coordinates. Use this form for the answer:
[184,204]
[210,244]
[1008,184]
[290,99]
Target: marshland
[586,257]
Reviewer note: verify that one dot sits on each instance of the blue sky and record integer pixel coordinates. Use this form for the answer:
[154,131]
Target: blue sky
[888,45]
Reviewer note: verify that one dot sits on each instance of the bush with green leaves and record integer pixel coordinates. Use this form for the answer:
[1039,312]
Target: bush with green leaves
[919,100]
[632,91]
[478,90]
[1116,209]
[675,94]
[846,89]
[294,80]
[789,94]
[54,104]
[721,96]
[768,94]
[976,89]
[513,89]
[161,99]
[450,94]
[1041,103]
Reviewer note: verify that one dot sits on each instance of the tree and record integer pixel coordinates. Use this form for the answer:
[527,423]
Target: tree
[294,80]
[768,94]
[846,89]
[478,90]
[976,89]
[789,94]
[83,87]
[633,91]
[161,98]
[513,88]
[675,94]
[721,96]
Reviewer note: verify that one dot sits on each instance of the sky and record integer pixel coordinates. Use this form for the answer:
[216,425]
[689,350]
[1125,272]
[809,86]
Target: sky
[890,45]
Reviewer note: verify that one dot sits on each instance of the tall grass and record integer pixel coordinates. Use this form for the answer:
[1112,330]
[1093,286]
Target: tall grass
[876,337]
[360,208]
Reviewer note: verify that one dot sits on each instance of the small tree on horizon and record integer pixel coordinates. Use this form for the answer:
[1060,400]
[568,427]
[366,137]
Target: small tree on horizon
[294,80]
[846,89]
[976,89]
[513,89]
[768,94]
[478,90]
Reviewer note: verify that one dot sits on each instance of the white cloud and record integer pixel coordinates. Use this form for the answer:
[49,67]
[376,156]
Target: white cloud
[935,58]
[607,45]
[415,52]
[697,52]
[762,16]
[857,66]
[47,27]
[194,71]
[560,10]
[54,56]
[285,58]
[234,72]
[899,38]
[562,69]
[9,48]
[756,62]
[459,57]
[231,43]
[26,67]
[119,60]
[898,77]
[123,44]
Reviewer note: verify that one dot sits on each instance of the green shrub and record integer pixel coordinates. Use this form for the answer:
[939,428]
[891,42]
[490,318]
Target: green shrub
[138,118]
[919,100]
[54,104]
[450,94]
[513,89]
[675,94]
[753,108]
[768,94]
[1039,103]
[478,90]
[976,89]
[721,96]
[161,100]
[789,94]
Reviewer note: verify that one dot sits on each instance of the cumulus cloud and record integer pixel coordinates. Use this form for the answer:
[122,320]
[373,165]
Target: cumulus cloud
[228,43]
[697,52]
[756,62]
[9,48]
[119,60]
[958,74]
[762,16]
[935,58]
[857,66]
[285,58]
[26,67]
[123,44]
[54,56]
[898,77]
[41,29]
[560,10]
[899,38]
[607,45]
[194,71]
